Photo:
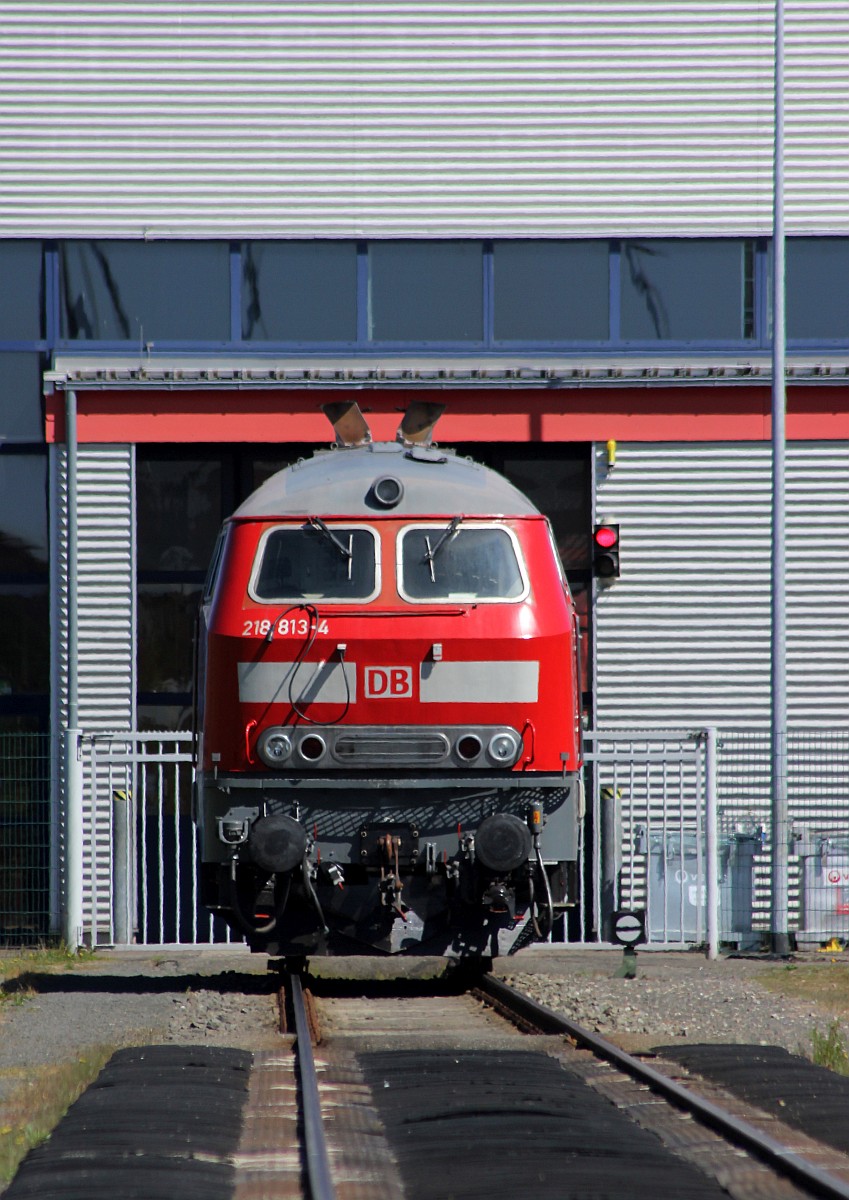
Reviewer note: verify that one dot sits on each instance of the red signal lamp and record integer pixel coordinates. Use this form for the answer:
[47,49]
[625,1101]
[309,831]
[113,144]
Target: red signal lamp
[606,550]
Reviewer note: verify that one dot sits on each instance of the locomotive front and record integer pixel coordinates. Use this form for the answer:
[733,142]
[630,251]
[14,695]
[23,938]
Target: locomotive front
[388,711]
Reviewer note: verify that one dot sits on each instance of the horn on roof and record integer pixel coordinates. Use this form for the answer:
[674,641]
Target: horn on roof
[348,423]
[419,420]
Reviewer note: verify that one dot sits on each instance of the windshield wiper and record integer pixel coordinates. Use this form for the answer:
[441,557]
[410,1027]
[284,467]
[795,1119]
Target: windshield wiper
[345,551]
[431,554]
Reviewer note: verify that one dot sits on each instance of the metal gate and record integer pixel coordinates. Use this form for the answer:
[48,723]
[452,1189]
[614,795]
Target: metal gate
[141,852]
[645,844]
[650,834]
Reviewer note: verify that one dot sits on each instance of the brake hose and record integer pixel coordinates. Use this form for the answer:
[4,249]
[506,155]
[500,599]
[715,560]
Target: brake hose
[247,926]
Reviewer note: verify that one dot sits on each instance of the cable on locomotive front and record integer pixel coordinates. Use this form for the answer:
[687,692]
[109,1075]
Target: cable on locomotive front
[246,924]
[314,621]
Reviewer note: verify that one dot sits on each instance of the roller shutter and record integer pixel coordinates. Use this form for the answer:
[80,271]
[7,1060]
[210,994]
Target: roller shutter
[683,637]
[335,118]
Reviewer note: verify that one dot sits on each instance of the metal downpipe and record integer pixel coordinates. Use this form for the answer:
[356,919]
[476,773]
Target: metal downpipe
[73,797]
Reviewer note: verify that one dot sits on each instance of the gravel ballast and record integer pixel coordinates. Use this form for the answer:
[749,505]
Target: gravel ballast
[192,997]
[674,997]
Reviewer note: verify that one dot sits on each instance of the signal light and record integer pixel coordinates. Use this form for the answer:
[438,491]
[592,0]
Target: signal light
[606,551]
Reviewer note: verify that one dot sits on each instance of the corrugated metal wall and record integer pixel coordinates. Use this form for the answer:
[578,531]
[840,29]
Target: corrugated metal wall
[106,617]
[337,118]
[683,636]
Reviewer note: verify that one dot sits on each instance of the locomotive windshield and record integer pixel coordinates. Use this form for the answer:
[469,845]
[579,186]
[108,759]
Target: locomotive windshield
[448,562]
[316,562]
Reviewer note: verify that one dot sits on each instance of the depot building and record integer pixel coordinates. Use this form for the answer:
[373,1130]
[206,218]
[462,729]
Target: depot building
[553,220]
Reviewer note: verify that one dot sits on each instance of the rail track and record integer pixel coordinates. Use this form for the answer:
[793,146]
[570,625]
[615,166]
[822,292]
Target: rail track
[416,1090]
[778,1155]
[316,1151]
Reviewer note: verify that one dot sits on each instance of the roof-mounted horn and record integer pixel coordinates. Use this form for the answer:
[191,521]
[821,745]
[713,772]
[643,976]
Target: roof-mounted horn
[419,420]
[348,423]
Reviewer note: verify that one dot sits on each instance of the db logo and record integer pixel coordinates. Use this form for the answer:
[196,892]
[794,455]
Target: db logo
[387,683]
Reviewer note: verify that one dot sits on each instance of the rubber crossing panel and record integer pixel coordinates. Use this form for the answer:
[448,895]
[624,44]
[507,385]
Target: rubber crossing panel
[515,1125]
[159,1121]
[801,1094]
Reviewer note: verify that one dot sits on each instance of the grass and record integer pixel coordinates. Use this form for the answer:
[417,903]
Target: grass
[42,1095]
[825,984]
[17,966]
[17,962]
[14,997]
[31,1111]
[828,1049]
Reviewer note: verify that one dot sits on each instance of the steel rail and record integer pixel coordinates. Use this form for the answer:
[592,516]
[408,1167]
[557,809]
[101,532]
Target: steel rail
[319,1181]
[783,1160]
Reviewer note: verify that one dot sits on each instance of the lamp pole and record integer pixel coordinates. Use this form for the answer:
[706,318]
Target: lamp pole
[778,625]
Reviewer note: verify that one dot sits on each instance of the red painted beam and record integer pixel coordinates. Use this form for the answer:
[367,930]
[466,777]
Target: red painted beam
[697,413]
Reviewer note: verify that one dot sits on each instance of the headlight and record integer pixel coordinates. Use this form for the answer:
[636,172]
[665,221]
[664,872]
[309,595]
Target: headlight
[312,747]
[469,747]
[274,746]
[504,747]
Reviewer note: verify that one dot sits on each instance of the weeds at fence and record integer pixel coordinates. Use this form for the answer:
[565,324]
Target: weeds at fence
[829,1050]
[20,962]
[15,997]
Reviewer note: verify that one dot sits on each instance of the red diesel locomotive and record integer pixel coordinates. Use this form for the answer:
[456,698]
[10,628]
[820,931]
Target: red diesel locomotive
[389,738]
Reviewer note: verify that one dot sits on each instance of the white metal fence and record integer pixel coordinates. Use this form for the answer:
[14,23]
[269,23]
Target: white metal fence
[646,844]
[141,852]
[646,833]
[818,798]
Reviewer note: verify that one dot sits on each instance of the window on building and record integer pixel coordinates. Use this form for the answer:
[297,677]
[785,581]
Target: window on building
[551,291]
[426,291]
[682,291]
[817,288]
[179,502]
[21,291]
[299,291]
[21,416]
[182,496]
[558,483]
[24,596]
[144,292]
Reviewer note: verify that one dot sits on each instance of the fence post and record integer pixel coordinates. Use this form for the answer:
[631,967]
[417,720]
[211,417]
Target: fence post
[121,867]
[73,865]
[611,836]
[711,844]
